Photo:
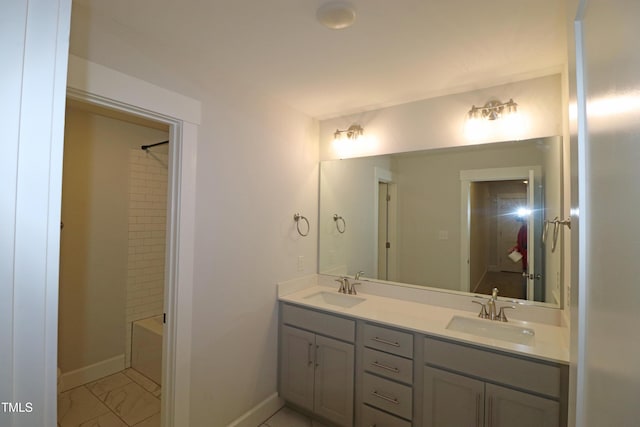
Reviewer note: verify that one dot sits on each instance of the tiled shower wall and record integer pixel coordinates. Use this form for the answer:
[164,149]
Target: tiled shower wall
[147,231]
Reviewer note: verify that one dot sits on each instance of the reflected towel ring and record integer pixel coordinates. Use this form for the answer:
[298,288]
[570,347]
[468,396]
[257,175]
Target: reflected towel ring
[556,232]
[337,218]
[545,231]
[297,217]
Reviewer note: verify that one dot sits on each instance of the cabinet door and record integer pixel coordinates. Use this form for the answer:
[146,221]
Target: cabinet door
[297,359]
[334,380]
[452,400]
[506,408]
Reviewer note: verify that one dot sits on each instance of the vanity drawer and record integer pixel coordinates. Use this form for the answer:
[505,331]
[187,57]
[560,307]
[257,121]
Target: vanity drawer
[387,365]
[387,395]
[509,370]
[372,417]
[389,340]
[315,321]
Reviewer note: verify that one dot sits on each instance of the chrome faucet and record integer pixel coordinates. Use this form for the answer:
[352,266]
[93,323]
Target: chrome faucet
[351,290]
[491,304]
[490,310]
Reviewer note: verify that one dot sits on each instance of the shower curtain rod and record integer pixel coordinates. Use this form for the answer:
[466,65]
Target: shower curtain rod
[144,147]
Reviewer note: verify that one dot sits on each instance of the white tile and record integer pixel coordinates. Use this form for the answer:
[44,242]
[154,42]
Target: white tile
[101,387]
[132,403]
[143,381]
[287,417]
[77,406]
[153,421]
[107,420]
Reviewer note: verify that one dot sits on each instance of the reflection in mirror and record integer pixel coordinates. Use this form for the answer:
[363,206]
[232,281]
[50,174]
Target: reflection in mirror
[460,219]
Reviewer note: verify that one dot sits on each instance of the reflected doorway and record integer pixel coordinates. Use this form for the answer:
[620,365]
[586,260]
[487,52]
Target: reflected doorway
[387,234]
[494,230]
[501,214]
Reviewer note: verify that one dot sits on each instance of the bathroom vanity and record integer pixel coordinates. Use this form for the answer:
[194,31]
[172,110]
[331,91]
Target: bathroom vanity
[370,360]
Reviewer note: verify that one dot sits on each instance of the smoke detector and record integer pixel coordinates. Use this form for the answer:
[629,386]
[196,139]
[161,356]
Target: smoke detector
[336,15]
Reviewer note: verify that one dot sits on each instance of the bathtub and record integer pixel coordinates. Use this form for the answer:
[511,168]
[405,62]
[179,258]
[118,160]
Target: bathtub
[146,347]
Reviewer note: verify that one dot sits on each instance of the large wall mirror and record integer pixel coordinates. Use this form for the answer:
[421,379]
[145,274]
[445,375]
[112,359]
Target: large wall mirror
[464,219]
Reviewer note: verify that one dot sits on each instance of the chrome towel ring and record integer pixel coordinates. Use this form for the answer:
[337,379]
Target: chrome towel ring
[556,230]
[297,217]
[337,218]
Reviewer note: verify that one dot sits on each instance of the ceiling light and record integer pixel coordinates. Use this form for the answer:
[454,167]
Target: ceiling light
[336,15]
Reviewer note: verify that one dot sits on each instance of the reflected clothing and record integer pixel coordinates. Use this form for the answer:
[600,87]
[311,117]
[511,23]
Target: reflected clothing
[521,245]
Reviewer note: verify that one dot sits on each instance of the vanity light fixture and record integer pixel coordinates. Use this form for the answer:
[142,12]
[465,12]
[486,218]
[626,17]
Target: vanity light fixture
[492,110]
[494,119]
[352,132]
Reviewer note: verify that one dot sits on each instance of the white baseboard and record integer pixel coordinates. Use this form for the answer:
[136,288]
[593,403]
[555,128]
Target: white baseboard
[93,372]
[259,413]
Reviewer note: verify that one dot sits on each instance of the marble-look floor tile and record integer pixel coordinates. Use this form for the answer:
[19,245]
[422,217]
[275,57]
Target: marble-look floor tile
[153,421]
[77,406]
[104,385]
[287,417]
[107,420]
[132,403]
[143,381]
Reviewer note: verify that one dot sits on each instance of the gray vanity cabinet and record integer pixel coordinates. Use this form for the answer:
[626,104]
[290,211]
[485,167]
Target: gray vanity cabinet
[452,400]
[456,400]
[507,407]
[297,366]
[316,370]
[385,377]
[467,386]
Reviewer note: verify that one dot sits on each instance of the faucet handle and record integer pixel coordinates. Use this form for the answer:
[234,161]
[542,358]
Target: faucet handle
[341,289]
[483,310]
[352,290]
[501,314]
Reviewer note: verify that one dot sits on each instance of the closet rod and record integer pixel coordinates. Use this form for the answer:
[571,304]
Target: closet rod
[144,147]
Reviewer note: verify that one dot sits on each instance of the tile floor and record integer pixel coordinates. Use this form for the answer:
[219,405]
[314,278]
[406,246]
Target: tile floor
[287,417]
[125,399]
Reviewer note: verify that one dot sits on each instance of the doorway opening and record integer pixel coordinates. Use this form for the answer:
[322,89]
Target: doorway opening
[112,266]
[494,230]
[501,228]
[387,231]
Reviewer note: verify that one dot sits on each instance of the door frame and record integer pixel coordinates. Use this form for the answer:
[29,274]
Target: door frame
[379,175]
[98,85]
[474,175]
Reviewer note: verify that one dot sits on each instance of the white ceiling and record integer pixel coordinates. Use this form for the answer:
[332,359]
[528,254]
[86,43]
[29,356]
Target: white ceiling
[397,50]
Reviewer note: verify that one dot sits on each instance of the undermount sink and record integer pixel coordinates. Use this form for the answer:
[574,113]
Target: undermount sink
[334,298]
[492,329]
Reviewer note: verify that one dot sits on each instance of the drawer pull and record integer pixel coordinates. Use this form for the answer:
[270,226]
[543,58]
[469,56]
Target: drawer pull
[383,341]
[387,398]
[388,368]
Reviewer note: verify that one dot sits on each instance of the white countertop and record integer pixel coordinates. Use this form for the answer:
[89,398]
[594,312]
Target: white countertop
[550,342]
